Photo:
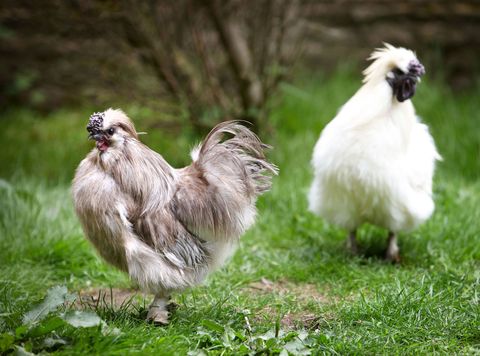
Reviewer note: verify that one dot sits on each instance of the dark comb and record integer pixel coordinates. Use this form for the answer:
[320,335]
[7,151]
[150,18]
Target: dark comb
[95,123]
[416,68]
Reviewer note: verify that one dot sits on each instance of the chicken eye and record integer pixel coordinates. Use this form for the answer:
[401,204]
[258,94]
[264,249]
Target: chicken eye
[398,71]
[111,131]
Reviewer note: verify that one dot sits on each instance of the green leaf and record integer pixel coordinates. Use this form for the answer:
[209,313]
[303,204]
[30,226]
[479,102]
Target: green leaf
[228,337]
[296,347]
[302,335]
[197,353]
[82,319]
[56,296]
[21,331]
[212,325]
[270,343]
[243,349]
[240,334]
[20,351]
[270,334]
[6,342]
[51,342]
[46,327]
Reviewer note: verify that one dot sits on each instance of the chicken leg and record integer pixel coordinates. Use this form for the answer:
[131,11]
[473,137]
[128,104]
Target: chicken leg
[393,252]
[158,311]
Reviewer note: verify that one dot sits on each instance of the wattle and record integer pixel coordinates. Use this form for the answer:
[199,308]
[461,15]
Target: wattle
[102,145]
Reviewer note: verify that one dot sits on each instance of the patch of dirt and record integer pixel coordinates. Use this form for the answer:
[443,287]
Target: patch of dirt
[303,292]
[305,320]
[293,320]
[115,298]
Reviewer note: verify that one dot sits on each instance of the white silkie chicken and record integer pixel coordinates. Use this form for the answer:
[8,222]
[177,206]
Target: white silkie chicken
[374,162]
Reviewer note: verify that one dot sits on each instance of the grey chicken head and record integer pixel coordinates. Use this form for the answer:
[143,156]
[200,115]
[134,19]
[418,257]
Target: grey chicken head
[110,129]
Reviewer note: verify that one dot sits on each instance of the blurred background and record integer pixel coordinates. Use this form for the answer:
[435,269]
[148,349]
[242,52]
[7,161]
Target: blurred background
[179,67]
[204,60]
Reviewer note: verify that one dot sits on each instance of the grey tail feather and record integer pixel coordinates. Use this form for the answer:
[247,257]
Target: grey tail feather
[244,145]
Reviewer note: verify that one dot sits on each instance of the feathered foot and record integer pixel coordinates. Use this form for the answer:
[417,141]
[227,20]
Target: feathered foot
[393,252]
[159,310]
[352,242]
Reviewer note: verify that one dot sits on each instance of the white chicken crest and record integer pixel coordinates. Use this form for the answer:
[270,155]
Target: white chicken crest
[374,162]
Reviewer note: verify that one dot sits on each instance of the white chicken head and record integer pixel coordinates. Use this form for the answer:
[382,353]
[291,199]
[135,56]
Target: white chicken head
[110,129]
[399,67]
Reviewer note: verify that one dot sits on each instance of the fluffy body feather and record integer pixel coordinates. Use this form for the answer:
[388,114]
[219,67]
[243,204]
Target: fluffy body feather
[166,227]
[374,162]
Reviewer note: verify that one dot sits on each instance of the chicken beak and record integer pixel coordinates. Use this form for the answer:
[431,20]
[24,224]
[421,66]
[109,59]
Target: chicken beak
[404,84]
[96,136]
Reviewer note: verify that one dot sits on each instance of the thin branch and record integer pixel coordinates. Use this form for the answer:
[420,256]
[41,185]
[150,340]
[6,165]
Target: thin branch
[240,57]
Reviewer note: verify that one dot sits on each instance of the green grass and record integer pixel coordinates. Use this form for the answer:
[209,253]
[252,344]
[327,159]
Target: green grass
[327,301]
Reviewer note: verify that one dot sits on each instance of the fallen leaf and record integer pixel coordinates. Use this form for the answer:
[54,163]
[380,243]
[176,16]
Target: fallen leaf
[82,319]
[55,297]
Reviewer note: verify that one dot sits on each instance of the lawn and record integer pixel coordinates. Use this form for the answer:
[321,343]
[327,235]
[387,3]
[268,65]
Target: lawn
[291,286]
